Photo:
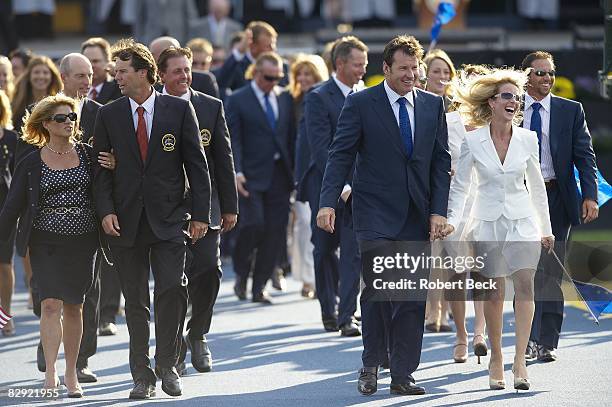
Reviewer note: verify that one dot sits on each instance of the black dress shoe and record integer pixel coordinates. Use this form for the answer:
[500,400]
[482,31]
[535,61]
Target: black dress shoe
[367,383]
[240,289]
[85,375]
[407,389]
[330,323]
[546,354]
[350,329]
[107,329]
[531,353]
[263,298]
[40,358]
[142,390]
[171,381]
[201,358]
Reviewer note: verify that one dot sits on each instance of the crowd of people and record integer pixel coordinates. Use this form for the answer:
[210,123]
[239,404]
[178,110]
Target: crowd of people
[128,159]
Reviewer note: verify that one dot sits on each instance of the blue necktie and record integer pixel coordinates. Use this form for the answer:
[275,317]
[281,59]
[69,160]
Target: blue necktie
[270,112]
[404,125]
[536,123]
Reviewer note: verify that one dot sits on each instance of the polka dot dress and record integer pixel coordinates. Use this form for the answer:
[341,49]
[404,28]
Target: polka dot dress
[65,206]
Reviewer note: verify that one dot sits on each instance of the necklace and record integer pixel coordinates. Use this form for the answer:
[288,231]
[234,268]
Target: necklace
[58,152]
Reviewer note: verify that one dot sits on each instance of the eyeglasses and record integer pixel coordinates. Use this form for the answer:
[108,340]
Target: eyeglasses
[61,118]
[270,78]
[544,73]
[508,96]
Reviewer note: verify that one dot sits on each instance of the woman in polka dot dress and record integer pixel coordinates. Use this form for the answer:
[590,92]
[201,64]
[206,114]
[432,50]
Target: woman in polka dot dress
[51,195]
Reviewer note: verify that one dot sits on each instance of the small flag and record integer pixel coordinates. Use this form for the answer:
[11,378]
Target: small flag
[446,12]
[597,298]
[604,190]
[4,318]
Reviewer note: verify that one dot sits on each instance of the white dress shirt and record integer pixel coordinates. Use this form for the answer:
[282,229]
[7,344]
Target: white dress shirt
[184,96]
[546,163]
[345,89]
[149,108]
[261,96]
[395,106]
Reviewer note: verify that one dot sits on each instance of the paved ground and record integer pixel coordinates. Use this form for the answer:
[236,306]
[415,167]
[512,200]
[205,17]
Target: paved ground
[280,356]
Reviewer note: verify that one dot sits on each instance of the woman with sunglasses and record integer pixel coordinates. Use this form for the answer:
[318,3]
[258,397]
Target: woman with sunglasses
[52,197]
[508,223]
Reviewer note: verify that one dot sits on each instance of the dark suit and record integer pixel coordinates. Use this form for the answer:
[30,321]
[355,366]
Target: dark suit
[148,199]
[110,91]
[231,74]
[204,269]
[264,214]
[570,144]
[393,198]
[322,109]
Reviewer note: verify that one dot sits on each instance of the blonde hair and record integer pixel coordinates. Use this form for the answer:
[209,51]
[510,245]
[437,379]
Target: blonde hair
[437,53]
[10,78]
[466,72]
[271,57]
[33,130]
[200,45]
[311,62]
[473,94]
[24,95]
[5,111]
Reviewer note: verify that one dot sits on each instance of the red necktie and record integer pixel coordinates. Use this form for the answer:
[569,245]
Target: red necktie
[141,134]
[93,95]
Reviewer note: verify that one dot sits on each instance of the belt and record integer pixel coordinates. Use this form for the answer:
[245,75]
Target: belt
[551,184]
[61,210]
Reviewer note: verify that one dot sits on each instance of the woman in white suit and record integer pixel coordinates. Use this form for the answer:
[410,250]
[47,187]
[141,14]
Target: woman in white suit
[509,218]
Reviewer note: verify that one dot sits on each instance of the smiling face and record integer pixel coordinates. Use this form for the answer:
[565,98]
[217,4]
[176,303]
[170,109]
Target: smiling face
[305,78]
[539,87]
[403,72]
[177,77]
[40,78]
[438,76]
[505,109]
[65,129]
[351,70]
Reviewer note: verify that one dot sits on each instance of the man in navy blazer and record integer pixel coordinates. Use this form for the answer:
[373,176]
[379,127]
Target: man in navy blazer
[397,136]
[262,128]
[335,278]
[565,142]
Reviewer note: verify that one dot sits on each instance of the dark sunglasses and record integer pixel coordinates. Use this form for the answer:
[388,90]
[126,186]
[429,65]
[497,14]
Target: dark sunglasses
[270,78]
[61,118]
[508,96]
[544,73]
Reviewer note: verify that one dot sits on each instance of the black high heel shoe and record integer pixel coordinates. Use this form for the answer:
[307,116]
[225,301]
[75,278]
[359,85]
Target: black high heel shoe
[480,348]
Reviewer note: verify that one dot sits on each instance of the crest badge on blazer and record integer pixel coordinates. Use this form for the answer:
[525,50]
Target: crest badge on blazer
[205,136]
[168,142]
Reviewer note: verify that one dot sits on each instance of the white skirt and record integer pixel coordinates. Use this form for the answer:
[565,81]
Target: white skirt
[507,245]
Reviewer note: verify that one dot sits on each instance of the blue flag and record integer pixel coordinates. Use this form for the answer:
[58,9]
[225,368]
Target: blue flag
[597,298]
[604,190]
[446,12]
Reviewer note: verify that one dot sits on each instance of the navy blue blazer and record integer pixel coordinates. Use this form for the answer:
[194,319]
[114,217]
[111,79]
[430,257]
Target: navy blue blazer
[386,183]
[230,76]
[570,144]
[254,142]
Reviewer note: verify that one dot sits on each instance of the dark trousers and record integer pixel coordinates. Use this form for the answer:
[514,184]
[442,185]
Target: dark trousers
[166,259]
[548,315]
[204,273]
[91,316]
[110,293]
[336,280]
[262,229]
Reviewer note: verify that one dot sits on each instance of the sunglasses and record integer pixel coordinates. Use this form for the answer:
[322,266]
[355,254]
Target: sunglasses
[544,73]
[61,118]
[508,96]
[270,78]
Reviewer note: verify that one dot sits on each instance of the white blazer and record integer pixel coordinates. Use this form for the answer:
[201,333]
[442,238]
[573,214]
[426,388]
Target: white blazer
[500,188]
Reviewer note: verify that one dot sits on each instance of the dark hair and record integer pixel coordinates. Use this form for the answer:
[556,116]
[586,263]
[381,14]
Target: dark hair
[172,52]
[100,43]
[138,54]
[536,55]
[343,46]
[407,44]
[24,54]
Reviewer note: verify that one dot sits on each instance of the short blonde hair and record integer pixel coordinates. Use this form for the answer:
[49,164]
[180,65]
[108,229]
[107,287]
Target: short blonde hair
[473,94]
[5,111]
[33,130]
[314,64]
[10,78]
[200,45]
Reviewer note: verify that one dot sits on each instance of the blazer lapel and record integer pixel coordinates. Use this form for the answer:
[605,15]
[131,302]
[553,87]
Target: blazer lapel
[127,122]
[157,127]
[555,130]
[421,116]
[489,148]
[383,108]
[336,94]
[262,113]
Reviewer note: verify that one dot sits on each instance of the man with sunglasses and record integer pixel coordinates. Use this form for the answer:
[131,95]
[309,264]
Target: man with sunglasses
[565,142]
[261,122]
